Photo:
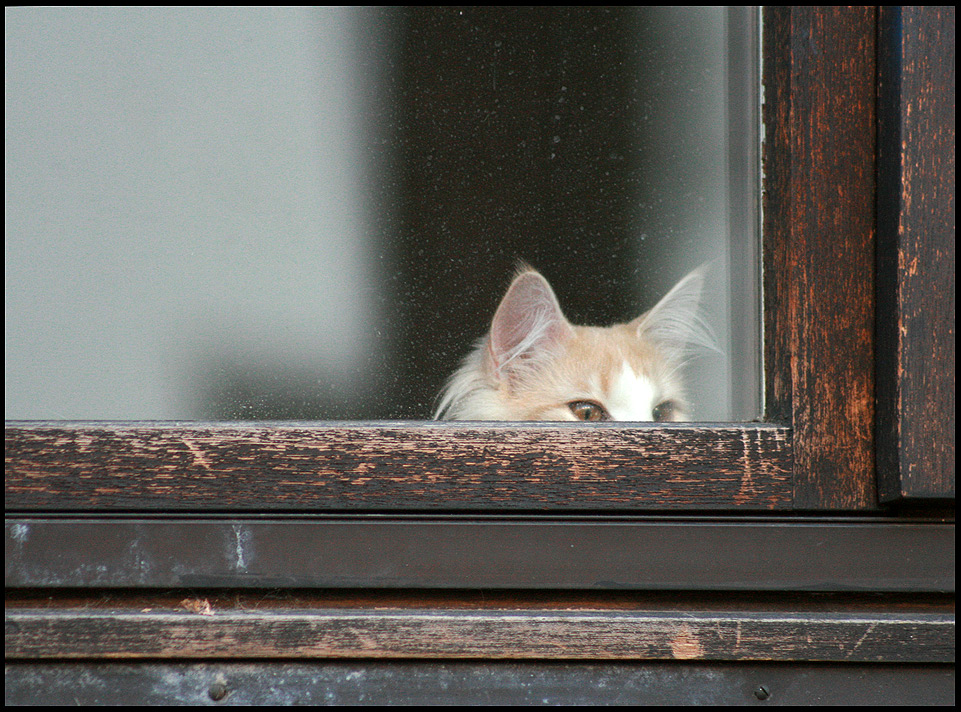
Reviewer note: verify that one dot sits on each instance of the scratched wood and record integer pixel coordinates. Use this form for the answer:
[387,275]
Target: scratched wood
[819,245]
[199,630]
[396,467]
[916,234]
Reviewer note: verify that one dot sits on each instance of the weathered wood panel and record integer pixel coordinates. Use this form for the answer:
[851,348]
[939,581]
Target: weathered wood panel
[819,242]
[394,467]
[545,634]
[916,254]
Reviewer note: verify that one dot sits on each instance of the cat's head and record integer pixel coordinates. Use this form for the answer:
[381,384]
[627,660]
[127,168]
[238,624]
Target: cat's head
[535,365]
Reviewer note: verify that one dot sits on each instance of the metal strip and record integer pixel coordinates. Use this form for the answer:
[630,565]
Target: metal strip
[471,553]
[484,683]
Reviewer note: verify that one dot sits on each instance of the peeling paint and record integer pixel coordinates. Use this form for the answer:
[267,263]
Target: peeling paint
[748,490]
[685,645]
[20,533]
[200,606]
[199,457]
[138,560]
[242,538]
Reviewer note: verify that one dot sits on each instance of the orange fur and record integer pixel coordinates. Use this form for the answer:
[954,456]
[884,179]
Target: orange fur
[535,365]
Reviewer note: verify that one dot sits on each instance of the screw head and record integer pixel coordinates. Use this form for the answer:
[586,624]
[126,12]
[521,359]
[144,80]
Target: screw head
[217,691]
[761,692]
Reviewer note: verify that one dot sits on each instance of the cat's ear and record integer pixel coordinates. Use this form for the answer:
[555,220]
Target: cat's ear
[528,325]
[677,322]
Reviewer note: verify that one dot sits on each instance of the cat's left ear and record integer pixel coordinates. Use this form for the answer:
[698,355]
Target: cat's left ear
[527,327]
[677,322]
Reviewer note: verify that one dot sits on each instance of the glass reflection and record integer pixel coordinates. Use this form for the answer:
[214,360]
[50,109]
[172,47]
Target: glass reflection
[291,213]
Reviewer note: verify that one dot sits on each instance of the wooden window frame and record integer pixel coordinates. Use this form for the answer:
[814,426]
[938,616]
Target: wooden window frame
[813,452]
[404,510]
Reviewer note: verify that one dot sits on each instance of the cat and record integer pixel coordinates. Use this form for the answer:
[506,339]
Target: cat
[535,365]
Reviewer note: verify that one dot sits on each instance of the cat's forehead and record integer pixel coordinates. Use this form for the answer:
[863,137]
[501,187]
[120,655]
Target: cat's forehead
[608,349]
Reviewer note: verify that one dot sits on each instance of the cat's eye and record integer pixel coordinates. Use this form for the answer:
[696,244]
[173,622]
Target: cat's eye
[588,410]
[664,411]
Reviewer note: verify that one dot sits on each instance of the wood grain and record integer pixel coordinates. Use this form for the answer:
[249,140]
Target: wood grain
[916,254]
[819,246]
[463,634]
[393,467]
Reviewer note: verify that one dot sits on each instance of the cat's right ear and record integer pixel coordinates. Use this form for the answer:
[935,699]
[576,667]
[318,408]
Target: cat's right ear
[677,322]
[528,325]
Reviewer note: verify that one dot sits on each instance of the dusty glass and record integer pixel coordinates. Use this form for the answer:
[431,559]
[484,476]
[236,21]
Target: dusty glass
[293,213]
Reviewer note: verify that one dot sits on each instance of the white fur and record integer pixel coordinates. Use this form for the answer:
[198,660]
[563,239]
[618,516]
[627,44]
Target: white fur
[632,396]
[533,364]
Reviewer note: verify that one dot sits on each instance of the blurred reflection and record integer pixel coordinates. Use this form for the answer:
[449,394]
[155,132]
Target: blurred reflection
[289,213]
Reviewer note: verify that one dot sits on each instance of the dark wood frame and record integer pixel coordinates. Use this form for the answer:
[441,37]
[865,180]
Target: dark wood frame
[105,490]
[916,230]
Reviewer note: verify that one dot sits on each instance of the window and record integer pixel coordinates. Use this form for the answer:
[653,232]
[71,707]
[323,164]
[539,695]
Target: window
[407,509]
[261,213]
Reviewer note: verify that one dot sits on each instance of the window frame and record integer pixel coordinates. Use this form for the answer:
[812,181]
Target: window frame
[814,452]
[105,485]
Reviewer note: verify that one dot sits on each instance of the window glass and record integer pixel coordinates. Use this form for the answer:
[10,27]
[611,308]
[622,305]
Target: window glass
[293,213]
